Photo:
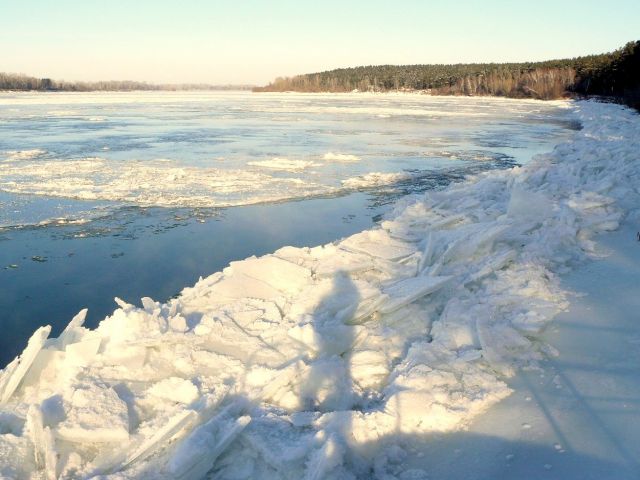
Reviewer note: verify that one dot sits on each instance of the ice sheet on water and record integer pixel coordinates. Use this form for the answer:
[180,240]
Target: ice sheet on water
[24,154]
[314,362]
[285,164]
[374,179]
[340,157]
[131,157]
[149,183]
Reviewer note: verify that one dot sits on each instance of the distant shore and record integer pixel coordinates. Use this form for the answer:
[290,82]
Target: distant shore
[615,75]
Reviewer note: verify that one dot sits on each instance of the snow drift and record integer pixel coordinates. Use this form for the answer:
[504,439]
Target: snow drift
[314,362]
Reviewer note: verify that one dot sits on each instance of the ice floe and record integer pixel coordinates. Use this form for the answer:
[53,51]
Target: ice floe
[374,179]
[319,362]
[24,154]
[340,157]
[150,182]
[278,163]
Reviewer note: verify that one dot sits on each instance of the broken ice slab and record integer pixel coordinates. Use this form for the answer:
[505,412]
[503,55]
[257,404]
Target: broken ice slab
[173,426]
[332,260]
[153,439]
[124,458]
[409,290]
[238,286]
[378,243]
[364,310]
[81,353]
[282,275]
[12,381]
[72,331]
[43,443]
[492,347]
[96,414]
[46,365]
[467,246]
[197,454]
[495,262]
[324,460]
[282,446]
[427,253]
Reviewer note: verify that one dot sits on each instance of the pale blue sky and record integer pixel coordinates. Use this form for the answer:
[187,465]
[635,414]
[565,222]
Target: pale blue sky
[254,41]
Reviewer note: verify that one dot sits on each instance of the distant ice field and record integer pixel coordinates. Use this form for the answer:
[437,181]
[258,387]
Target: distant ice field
[71,157]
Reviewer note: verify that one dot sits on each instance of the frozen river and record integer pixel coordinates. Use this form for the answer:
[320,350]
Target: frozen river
[130,194]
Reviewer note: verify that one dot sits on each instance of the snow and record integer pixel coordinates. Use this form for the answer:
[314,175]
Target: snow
[158,182]
[278,163]
[24,154]
[318,362]
[374,179]
[94,413]
[573,416]
[340,157]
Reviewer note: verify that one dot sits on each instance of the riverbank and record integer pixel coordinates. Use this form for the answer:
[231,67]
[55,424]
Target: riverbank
[321,363]
[576,414]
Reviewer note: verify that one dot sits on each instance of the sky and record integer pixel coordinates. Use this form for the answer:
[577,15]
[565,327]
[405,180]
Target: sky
[252,42]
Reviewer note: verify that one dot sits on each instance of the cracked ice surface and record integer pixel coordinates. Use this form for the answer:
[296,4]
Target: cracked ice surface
[315,362]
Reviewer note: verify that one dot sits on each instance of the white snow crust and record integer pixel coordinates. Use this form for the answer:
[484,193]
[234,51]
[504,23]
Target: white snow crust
[340,157]
[160,182]
[286,164]
[374,179]
[315,362]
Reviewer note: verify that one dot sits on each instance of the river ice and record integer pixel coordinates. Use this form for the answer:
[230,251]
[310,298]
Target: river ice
[87,153]
[317,362]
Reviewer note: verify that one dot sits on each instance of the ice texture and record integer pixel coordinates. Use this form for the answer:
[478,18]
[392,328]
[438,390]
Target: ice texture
[113,150]
[286,164]
[374,179]
[316,362]
[160,182]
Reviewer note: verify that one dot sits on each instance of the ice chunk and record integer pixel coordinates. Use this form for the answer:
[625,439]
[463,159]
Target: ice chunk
[175,389]
[378,243]
[324,460]
[94,414]
[282,446]
[72,331]
[81,353]
[406,291]
[43,443]
[469,246]
[172,427]
[369,368]
[521,202]
[495,262]
[374,179]
[284,164]
[279,274]
[340,157]
[197,453]
[123,459]
[14,376]
[333,260]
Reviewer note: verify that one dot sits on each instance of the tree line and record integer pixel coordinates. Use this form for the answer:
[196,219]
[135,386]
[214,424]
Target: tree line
[13,81]
[615,74]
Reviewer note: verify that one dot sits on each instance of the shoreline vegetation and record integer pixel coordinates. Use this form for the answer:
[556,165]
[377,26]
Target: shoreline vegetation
[615,75]
[21,82]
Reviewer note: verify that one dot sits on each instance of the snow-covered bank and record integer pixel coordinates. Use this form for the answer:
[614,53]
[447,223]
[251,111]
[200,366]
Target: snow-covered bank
[314,363]
[575,416]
